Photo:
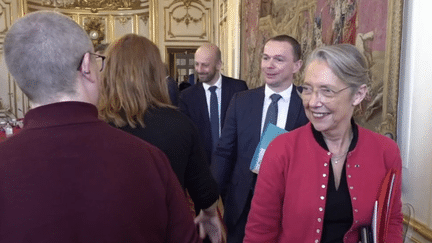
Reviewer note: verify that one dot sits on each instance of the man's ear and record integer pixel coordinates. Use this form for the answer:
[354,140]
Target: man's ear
[360,94]
[85,64]
[297,66]
[219,65]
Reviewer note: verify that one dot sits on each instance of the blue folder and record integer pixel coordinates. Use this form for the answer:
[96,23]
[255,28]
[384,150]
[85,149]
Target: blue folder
[270,133]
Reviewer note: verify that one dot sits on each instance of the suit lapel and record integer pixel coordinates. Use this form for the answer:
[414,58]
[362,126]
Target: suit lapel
[256,103]
[202,103]
[293,110]
[226,97]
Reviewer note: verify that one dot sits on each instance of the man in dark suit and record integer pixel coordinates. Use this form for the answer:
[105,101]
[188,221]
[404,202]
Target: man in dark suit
[195,101]
[244,125]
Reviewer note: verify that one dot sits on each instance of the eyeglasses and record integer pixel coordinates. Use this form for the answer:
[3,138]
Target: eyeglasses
[305,91]
[98,57]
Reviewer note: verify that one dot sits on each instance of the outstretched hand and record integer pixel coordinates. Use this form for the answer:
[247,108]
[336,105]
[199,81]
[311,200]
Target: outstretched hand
[210,223]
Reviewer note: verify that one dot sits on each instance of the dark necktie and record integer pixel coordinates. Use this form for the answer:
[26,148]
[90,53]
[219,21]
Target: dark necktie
[272,111]
[214,115]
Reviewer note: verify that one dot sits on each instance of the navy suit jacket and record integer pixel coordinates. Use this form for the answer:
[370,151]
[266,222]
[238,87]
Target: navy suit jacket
[236,146]
[193,103]
[173,90]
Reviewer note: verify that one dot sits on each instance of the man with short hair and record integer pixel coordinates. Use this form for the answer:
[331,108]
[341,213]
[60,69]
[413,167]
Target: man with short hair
[246,119]
[68,176]
[196,101]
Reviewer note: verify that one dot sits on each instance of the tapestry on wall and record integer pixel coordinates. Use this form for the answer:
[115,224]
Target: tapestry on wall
[324,22]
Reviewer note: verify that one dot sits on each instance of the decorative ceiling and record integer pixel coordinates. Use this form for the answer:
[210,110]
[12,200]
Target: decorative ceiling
[93,5]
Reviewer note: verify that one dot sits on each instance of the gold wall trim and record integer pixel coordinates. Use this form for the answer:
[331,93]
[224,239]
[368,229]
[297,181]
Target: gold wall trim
[392,68]
[154,21]
[104,30]
[418,227]
[6,16]
[414,240]
[144,17]
[203,19]
[95,27]
[92,5]
[123,20]
[22,6]
[36,7]
[111,28]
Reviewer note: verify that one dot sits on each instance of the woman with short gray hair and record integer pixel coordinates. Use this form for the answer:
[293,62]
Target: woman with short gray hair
[319,183]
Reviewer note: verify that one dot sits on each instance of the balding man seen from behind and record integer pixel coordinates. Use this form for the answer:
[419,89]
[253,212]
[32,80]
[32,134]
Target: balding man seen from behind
[68,176]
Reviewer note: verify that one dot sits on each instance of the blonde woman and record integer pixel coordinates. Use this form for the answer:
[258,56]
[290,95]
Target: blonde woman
[134,97]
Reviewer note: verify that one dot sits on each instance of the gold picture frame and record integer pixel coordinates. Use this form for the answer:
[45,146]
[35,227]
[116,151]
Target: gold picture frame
[392,68]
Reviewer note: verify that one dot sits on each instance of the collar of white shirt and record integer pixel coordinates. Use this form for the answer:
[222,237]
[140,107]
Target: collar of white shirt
[218,84]
[286,94]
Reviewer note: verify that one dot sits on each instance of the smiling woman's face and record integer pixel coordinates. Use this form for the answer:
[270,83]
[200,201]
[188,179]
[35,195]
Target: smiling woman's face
[327,114]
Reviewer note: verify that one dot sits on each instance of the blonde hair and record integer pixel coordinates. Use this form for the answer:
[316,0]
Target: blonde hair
[134,80]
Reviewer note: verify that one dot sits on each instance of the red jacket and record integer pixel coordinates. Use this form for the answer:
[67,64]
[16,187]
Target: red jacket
[290,194]
[70,177]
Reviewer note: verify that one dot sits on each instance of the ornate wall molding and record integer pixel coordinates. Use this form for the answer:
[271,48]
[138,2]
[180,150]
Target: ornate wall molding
[187,20]
[145,18]
[5,20]
[13,103]
[93,5]
[104,20]
[223,30]
[418,227]
[123,19]
[392,68]
[95,27]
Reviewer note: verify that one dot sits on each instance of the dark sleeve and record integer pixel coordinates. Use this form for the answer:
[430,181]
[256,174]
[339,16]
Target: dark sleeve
[181,227]
[199,181]
[243,85]
[173,91]
[223,158]
[183,104]
[301,119]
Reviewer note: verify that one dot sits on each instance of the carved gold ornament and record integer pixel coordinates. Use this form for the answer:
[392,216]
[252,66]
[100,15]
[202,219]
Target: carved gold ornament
[187,18]
[145,18]
[95,29]
[94,5]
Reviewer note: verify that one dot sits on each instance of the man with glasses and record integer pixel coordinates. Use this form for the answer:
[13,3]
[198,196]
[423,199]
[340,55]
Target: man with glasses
[249,113]
[100,61]
[68,176]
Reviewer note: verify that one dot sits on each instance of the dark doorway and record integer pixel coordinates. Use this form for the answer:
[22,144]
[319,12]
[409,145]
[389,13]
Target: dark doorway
[181,62]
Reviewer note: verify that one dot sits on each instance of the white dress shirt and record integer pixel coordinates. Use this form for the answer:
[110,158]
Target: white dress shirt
[283,105]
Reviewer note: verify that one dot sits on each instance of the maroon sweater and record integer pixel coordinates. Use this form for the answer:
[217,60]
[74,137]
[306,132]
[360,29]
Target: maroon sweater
[69,177]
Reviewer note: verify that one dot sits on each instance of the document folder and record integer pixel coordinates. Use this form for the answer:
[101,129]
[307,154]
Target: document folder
[270,133]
